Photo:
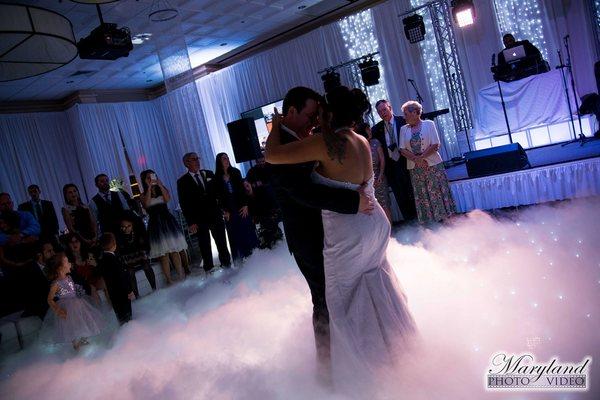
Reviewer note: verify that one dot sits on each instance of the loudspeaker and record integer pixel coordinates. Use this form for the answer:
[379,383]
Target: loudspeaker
[244,140]
[496,160]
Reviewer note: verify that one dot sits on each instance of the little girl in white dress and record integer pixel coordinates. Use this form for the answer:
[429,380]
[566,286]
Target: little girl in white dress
[72,317]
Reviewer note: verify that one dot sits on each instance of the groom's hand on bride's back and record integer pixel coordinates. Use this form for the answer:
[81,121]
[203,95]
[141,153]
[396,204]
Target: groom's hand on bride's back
[365,204]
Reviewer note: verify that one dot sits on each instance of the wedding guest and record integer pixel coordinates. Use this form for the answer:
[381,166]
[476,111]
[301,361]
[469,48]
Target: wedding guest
[132,248]
[382,191]
[25,283]
[420,143]
[19,233]
[264,211]
[35,283]
[29,229]
[85,265]
[387,131]
[117,279]
[43,211]
[166,236]
[258,175]
[202,213]
[73,317]
[109,206]
[234,202]
[78,217]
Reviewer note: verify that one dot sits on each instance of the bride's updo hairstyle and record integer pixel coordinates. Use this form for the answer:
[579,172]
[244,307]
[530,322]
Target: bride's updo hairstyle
[347,108]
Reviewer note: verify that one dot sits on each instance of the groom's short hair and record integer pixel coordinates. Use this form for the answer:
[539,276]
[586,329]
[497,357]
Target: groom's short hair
[297,97]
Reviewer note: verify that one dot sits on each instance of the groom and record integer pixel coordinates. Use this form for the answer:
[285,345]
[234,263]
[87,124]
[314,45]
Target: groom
[301,202]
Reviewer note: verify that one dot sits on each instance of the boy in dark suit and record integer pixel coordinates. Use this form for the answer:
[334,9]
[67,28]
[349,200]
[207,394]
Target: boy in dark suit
[116,277]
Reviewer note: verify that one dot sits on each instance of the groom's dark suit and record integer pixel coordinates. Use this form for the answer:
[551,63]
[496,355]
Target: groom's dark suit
[396,172]
[301,202]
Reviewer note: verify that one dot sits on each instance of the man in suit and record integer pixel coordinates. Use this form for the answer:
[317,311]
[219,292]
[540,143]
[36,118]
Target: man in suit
[110,206]
[198,203]
[387,131]
[301,202]
[43,211]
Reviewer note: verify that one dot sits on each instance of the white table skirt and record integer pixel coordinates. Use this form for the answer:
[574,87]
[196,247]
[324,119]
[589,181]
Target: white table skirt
[533,186]
[532,101]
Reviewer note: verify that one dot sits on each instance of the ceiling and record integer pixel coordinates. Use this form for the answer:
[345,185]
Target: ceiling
[212,30]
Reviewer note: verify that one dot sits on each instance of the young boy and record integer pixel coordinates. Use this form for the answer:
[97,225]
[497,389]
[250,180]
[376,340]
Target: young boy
[116,277]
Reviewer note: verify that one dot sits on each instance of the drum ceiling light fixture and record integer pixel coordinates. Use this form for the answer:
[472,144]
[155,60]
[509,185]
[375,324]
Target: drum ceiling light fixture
[161,11]
[33,41]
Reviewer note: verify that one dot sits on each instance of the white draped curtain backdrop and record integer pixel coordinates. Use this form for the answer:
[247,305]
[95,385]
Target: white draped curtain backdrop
[52,149]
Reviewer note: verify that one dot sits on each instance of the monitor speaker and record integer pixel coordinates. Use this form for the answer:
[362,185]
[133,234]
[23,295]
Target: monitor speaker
[244,140]
[496,160]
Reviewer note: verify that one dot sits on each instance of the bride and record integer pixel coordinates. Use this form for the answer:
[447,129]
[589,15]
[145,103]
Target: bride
[370,323]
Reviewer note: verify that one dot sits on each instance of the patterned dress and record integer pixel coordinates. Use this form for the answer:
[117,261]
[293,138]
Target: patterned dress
[381,190]
[83,319]
[433,199]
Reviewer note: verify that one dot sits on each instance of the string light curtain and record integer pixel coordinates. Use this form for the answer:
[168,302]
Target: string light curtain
[360,39]
[437,84]
[522,18]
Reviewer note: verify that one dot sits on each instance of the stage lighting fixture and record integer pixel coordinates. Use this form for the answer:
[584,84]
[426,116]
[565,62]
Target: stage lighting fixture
[463,12]
[369,72]
[331,80]
[414,28]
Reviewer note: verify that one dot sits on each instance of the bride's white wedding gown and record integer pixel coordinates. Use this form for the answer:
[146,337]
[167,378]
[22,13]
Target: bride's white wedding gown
[369,320]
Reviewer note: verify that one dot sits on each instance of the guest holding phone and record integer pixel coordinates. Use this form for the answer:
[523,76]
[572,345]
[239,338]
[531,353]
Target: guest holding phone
[165,234]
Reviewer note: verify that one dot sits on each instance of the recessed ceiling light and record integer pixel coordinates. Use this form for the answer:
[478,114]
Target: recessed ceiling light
[223,44]
[301,7]
[141,38]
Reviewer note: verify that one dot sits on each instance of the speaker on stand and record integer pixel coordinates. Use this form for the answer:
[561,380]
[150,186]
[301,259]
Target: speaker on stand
[244,140]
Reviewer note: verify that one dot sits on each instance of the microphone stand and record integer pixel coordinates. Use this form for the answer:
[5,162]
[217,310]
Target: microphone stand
[497,79]
[562,67]
[569,66]
[419,98]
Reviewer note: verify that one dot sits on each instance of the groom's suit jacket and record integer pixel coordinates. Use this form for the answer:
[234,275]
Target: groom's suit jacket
[301,202]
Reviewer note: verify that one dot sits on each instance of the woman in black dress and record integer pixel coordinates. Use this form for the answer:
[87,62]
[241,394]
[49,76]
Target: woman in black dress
[234,202]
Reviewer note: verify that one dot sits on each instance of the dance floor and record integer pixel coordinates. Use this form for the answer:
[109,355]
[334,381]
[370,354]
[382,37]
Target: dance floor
[518,281]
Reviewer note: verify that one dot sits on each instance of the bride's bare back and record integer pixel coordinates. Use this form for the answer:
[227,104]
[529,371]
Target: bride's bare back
[356,165]
[346,160]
